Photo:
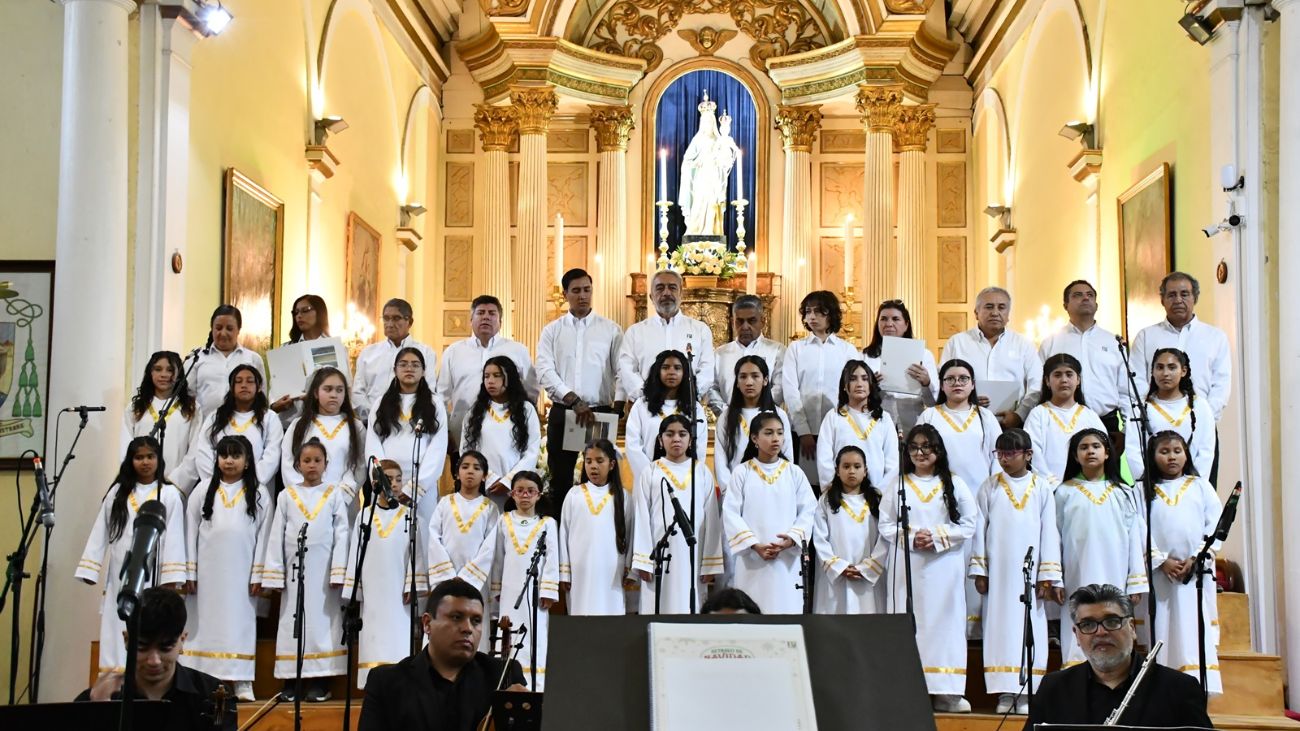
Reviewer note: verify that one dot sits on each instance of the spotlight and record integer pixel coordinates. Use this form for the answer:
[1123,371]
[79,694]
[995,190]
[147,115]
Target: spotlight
[1084,131]
[1196,27]
[329,126]
[214,17]
[409,211]
[1001,213]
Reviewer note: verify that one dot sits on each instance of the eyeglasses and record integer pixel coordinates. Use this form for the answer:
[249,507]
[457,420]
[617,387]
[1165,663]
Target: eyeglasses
[525,491]
[1112,623]
[303,310]
[920,449]
[1008,453]
[410,365]
[956,380]
[393,318]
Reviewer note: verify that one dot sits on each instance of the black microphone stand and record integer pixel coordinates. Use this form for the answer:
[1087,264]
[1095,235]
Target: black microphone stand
[692,415]
[299,624]
[660,554]
[413,523]
[531,582]
[1201,568]
[804,585]
[1138,403]
[14,575]
[1027,654]
[905,525]
[352,615]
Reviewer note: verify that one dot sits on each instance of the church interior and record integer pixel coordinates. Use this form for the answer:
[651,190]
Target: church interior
[163,157]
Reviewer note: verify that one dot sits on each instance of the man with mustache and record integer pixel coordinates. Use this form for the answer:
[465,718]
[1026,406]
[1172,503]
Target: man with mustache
[667,329]
[1087,693]
[1206,346]
[999,354]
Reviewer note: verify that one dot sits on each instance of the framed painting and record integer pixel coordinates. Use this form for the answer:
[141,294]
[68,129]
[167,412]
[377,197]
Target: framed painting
[253,256]
[1145,248]
[26,315]
[363,269]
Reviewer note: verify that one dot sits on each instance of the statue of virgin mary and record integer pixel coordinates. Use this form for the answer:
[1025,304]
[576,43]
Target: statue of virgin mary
[705,168]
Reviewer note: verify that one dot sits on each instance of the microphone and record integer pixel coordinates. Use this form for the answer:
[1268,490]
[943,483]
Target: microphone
[679,515]
[84,409]
[43,494]
[532,566]
[1029,559]
[380,482]
[419,427]
[1229,514]
[150,523]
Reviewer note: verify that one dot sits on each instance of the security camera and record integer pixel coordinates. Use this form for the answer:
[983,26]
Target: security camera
[1230,180]
[1231,222]
[1212,230]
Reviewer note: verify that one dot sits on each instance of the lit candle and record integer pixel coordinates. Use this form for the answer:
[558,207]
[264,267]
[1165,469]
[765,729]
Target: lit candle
[848,251]
[663,174]
[740,177]
[559,248]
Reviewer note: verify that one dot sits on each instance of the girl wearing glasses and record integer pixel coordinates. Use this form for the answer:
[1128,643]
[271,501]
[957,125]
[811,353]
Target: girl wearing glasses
[1102,530]
[411,424]
[1060,414]
[503,426]
[1017,512]
[859,419]
[941,520]
[811,371]
[969,432]
[893,320]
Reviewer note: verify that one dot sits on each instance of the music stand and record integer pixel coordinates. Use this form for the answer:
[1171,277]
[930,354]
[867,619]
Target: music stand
[515,710]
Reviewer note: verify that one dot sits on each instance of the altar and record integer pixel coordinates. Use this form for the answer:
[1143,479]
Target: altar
[709,299]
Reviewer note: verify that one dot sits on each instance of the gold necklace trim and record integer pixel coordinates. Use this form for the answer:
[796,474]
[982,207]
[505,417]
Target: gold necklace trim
[772,478]
[1018,504]
[379,524]
[917,490]
[503,418]
[230,502]
[594,508]
[320,504]
[241,428]
[974,412]
[857,517]
[848,415]
[1097,500]
[135,504]
[1178,496]
[329,435]
[510,528]
[153,413]
[462,525]
[1187,409]
[673,478]
[1074,420]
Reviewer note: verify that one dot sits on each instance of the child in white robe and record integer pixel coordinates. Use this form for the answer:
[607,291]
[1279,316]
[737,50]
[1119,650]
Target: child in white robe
[1060,414]
[1017,512]
[226,540]
[595,535]
[859,419]
[767,514]
[327,417]
[1184,510]
[244,412]
[671,470]
[408,406]
[385,588]
[1172,404]
[461,522]
[502,425]
[138,481]
[664,394]
[751,393]
[941,518]
[323,510]
[1103,534]
[160,382]
[519,535]
[846,537]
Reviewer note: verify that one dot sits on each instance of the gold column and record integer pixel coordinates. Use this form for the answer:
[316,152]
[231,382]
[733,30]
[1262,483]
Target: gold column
[798,127]
[879,107]
[613,127]
[911,131]
[497,127]
[534,107]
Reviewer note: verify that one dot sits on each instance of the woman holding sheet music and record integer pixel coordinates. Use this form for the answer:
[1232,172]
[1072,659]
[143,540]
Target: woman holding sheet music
[893,320]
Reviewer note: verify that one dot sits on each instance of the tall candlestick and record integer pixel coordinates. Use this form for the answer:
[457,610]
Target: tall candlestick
[663,175]
[740,176]
[848,250]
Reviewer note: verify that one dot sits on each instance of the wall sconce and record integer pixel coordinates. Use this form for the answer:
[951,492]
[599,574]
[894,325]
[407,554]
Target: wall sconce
[1082,131]
[214,17]
[1002,214]
[406,235]
[1197,28]
[408,212]
[327,126]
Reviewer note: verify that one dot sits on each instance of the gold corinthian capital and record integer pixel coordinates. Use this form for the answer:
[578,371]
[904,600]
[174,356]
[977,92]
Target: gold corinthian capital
[535,106]
[913,126]
[496,126]
[798,126]
[613,127]
[879,106]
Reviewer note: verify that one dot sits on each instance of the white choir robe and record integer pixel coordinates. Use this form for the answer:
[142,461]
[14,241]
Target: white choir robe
[224,558]
[937,575]
[878,438]
[1185,511]
[906,407]
[210,379]
[177,440]
[336,437]
[496,441]
[324,509]
[723,467]
[457,530]
[512,546]
[375,369]
[843,538]
[385,578]
[101,556]
[1015,514]
[762,502]
[1103,538]
[1012,358]
[969,440]
[266,443]
[642,433]
[1174,416]
[400,446]
[727,355]
[589,559]
[1050,430]
[654,513]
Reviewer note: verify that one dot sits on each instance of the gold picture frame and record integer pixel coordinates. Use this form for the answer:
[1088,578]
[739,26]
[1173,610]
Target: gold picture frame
[252,259]
[1145,248]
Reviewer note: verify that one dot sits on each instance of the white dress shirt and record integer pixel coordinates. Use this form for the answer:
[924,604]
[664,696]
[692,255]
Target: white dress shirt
[810,379]
[647,339]
[210,379]
[1104,379]
[1206,347]
[1012,358]
[579,355]
[462,373]
[724,365]
[375,371]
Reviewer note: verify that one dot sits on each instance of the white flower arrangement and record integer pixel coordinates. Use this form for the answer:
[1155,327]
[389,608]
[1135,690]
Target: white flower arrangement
[704,257]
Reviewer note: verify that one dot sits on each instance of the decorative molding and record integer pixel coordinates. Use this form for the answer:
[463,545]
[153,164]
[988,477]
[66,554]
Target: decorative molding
[1086,167]
[512,172]
[566,192]
[879,106]
[950,141]
[458,268]
[507,8]
[909,7]
[321,161]
[912,127]
[1003,239]
[707,41]
[841,191]
[459,212]
[497,126]
[951,272]
[455,323]
[408,237]
[843,140]
[613,127]
[951,323]
[568,140]
[798,126]
[950,183]
[535,105]
[460,141]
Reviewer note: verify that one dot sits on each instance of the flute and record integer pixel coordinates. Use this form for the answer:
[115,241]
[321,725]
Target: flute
[1113,718]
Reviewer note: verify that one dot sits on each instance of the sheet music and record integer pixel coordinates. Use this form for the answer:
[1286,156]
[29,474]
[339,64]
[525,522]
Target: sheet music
[896,355]
[576,438]
[292,364]
[1002,395]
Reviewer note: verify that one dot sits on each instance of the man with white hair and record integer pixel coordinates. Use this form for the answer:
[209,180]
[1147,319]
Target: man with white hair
[747,327]
[997,353]
[666,329]
[1206,346]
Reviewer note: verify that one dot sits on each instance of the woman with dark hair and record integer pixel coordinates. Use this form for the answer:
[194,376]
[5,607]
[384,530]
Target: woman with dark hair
[161,380]
[409,419]
[327,417]
[311,321]
[210,378]
[811,371]
[1174,405]
[243,412]
[663,394]
[503,426]
[894,320]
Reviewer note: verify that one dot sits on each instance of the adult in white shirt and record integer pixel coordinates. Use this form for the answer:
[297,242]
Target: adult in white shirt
[577,364]
[1104,377]
[893,320]
[999,354]
[1206,346]
[747,319]
[462,363]
[810,374]
[374,369]
[311,321]
[210,378]
[667,329]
